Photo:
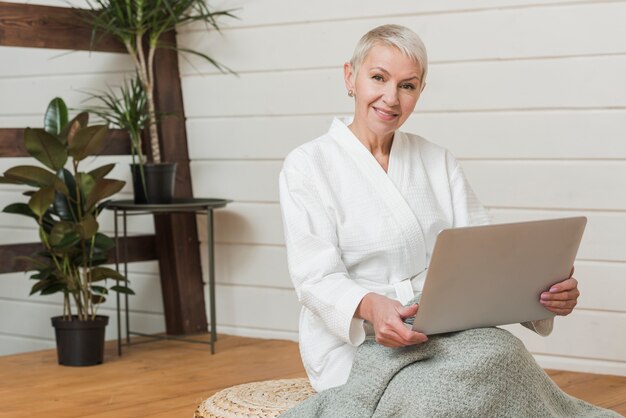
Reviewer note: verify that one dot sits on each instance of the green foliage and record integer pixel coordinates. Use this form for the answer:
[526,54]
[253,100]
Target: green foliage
[128,111]
[139,25]
[66,204]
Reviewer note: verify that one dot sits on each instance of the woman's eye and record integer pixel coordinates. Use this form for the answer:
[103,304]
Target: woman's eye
[408,86]
[378,77]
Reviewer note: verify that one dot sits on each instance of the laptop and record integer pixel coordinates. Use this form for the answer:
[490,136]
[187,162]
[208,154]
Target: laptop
[492,275]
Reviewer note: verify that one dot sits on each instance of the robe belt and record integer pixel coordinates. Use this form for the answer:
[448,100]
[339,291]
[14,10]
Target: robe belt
[404,289]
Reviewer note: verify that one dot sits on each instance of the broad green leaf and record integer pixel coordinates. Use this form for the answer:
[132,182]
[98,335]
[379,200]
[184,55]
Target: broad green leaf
[54,288]
[33,262]
[41,201]
[64,235]
[45,148]
[101,172]
[87,141]
[88,228]
[30,175]
[102,273]
[85,183]
[56,116]
[61,187]
[65,206]
[103,189]
[20,209]
[103,242]
[43,274]
[40,285]
[122,289]
[4,180]
[80,121]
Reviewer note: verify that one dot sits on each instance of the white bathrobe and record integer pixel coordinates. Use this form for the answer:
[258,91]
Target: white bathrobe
[350,229]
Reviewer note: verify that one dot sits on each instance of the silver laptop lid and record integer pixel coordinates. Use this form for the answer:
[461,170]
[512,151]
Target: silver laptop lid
[494,274]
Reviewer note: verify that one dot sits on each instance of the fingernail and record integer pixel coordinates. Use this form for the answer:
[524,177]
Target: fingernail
[544,296]
[554,289]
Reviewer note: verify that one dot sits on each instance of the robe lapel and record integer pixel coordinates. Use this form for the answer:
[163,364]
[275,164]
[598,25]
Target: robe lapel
[385,187]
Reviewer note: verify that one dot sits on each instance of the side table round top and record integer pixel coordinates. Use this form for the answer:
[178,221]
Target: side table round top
[184,204]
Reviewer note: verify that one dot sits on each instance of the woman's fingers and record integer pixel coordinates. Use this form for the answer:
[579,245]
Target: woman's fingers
[565,285]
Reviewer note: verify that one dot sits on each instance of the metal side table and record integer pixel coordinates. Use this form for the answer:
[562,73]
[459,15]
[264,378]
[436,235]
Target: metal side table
[125,208]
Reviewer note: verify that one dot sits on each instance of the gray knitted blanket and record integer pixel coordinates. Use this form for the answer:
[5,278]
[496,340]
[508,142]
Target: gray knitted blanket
[483,372]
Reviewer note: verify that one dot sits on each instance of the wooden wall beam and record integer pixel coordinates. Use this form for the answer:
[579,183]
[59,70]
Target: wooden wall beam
[140,248]
[35,26]
[12,143]
[177,235]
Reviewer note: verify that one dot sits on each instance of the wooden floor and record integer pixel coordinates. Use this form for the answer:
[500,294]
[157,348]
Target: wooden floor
[169,379]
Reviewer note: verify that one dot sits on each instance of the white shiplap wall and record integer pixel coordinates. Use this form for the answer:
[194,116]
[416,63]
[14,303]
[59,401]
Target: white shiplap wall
[530,96]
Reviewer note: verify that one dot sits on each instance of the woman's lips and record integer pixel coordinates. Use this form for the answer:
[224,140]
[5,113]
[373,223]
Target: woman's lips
[385,114]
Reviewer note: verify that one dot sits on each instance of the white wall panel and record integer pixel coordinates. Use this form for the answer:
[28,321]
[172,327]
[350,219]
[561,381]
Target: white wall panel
[572,336]
[255,307]
[70,87]
[498,135]
[47,62]
[603,239]
[585,82]
[549,184]
[251,265]
[264,12]
[449,37]
[19,344]
[246,223]
[255,181]
[268,12]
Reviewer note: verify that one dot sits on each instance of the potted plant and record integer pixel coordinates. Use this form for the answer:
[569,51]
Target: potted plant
[65,204]
[139,25]
[128,112]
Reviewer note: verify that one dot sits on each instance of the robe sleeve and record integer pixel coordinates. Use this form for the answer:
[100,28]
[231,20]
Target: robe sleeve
[319,275]
[469,211]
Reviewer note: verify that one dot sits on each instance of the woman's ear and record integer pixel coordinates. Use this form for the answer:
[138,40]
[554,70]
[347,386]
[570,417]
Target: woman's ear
[348,76]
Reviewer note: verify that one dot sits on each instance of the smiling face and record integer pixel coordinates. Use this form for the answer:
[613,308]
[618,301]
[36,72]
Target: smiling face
[386,88]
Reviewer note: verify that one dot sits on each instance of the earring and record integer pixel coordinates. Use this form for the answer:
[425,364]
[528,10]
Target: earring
[350,93]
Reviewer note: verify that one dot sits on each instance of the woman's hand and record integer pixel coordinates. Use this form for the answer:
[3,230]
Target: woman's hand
[386,315]
[562,297]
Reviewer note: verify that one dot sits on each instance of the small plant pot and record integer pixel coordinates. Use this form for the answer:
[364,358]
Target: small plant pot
[80,343]
[156,185]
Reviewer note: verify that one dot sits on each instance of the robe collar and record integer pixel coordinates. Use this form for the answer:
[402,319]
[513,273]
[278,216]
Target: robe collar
[387,185]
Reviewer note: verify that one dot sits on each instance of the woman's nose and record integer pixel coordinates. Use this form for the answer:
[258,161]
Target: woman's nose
[390,96]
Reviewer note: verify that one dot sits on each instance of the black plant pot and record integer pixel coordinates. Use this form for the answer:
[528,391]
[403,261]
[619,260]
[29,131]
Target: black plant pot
[80,343]
[157,183]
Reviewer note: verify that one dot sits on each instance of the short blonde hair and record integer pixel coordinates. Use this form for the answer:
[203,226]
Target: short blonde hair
[401,37]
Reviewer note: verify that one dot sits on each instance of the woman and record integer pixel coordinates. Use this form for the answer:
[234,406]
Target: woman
[361,207]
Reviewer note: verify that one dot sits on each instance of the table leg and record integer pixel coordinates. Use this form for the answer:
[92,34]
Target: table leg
[117,294]
[211,269]
[126,275]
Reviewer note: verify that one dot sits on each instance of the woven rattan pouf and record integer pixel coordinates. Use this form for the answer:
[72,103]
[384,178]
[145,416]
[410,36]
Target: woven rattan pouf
[265,399]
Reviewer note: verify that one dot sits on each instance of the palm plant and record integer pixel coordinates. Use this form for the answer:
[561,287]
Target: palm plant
[127,111]
[139,25]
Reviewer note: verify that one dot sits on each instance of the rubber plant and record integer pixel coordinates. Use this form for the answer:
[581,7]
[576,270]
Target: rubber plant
[65,203]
